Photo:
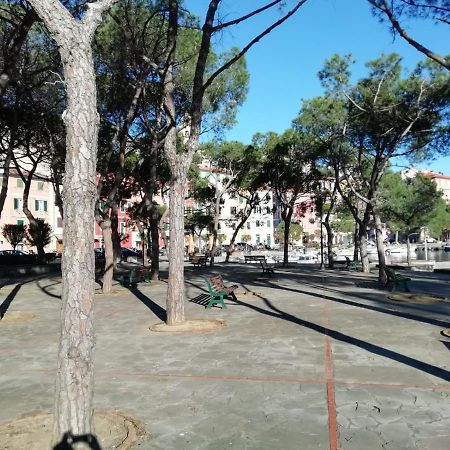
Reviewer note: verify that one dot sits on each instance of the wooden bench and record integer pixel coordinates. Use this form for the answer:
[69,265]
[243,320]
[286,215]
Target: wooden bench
[397,280]
[267,269]
[218,291]
[135,275]
[199,261]
[254,258]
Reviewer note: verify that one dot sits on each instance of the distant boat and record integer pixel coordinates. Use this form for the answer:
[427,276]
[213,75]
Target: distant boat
[396,250]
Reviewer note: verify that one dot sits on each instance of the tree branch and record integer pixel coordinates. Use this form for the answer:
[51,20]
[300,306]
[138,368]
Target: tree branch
[251,44]
[384,8]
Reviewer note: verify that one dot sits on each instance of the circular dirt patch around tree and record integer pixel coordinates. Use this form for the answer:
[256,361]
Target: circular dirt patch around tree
[13,317]
[408,297]
[189,326]
[114,431]
[446,332]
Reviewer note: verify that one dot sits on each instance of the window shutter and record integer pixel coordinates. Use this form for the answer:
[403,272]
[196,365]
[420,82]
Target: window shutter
[45,205]
[16,203]
[36,205]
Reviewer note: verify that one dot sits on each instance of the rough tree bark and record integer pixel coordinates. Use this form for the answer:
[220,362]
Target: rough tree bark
[287,225]
[74,383]
[382,277]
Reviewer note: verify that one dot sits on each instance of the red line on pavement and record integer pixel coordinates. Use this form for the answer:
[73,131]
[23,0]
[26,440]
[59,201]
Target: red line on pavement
[332,422]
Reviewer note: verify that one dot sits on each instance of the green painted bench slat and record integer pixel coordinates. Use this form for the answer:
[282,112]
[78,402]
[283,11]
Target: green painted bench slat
[216,297]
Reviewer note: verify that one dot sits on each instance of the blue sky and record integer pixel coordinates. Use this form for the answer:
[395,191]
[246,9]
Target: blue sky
[283,66]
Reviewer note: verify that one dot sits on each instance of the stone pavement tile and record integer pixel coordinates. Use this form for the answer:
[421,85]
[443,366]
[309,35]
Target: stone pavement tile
[392,418]
[207,414]
[25,392]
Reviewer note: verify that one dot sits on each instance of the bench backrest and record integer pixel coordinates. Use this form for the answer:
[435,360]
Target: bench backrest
[216,282]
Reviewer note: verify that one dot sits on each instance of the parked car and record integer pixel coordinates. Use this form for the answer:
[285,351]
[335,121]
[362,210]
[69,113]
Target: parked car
[17,257]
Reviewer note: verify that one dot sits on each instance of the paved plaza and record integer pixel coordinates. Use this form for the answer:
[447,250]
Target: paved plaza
[308,359]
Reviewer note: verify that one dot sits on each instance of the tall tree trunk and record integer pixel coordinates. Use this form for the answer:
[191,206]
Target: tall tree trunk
[74,380]
[108,274]
[233,238]
[29,214]
[7,162]
[216,225]
[363,251]
[330,237]
[287,226]
[116,245]
[154,233]
[74,383]
[408,251]
[356,243]
[175,291]
[382,277]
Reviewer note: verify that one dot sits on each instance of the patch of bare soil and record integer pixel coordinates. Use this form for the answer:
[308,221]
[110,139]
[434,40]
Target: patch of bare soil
[446,332]
[114,430]
[407,297]
[189,326]
[13,317]
[112,293]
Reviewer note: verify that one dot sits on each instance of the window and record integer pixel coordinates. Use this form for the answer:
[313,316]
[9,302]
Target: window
[20,223]
[123,207]
[268,223]
[18,204]
[248,225]
[40,205]
[122,227]
[233,194]
[258,210]
[19,182]
[258,239]
[241,200]
[233,210]
[40,185]
[269,240]
[257,223]
[268,210]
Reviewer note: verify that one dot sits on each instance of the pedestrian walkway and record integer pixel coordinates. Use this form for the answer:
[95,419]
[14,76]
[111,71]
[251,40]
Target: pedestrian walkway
[308,359]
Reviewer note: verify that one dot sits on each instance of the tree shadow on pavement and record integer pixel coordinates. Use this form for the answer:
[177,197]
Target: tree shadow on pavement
[372,348]
[7,302]
[159,311]
[385,310]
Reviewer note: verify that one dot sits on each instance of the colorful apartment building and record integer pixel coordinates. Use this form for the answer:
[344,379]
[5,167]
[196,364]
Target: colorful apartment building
[41,203]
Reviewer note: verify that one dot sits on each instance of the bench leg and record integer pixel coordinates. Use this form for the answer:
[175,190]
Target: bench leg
[216,301]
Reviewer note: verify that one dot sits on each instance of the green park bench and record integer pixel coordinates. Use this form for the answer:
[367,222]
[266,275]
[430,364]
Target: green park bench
[266,268]
[135,275]
[218,291]
[351,265]
[399,282]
